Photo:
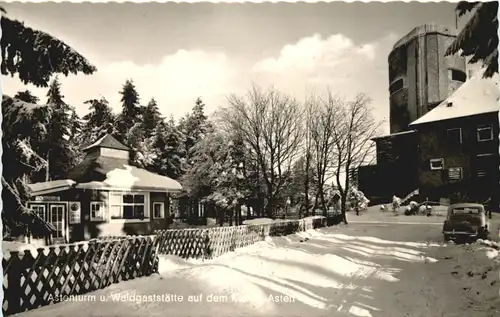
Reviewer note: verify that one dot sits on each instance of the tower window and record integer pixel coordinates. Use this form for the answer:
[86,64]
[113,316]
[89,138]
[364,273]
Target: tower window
[458,75]
[395,86]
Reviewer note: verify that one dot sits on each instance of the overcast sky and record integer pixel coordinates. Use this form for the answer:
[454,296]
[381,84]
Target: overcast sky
[177,52]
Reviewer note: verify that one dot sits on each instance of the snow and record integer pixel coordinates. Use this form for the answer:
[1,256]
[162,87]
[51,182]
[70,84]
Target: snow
[131,177]
[258,221]
[477,95]
[9,246]
[51,186]
[309,273]
[121,178]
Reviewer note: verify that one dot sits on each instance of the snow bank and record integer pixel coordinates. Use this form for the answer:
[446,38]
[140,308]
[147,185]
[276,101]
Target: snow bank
[172,263]
[258,221]
[8,246]
[477,274]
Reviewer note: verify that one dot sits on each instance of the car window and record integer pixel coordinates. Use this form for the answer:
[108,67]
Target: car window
[466,211]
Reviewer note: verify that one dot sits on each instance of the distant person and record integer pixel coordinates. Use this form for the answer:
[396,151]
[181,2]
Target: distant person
[489,206]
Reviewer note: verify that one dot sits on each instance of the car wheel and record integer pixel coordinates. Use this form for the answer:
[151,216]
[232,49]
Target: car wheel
[447,237]
[483,234]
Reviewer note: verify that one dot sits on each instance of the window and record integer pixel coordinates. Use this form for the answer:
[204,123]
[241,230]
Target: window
[39,210]
[97,211]
[458,75]
[484,133]
[455,173]
[485,164]
[395,86]
[128,206]
[454,136]
[437,164]
[158,210]
[466,210]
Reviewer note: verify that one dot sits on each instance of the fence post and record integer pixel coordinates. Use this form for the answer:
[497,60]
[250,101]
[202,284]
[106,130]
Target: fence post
[14,291]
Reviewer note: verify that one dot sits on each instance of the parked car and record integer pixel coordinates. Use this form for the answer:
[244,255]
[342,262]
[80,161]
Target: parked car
[465,220]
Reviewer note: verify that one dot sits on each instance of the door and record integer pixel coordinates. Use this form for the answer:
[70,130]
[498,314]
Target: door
[57,217]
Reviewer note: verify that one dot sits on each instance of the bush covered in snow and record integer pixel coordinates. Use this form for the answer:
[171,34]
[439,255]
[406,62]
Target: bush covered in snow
[396,203]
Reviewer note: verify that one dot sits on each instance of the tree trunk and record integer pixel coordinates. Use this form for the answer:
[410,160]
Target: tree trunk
[316,200]
[343,204]
[47,172]
[323,202]
[220,213]
[231,215]
[306,185]
[269,208]
[239,215]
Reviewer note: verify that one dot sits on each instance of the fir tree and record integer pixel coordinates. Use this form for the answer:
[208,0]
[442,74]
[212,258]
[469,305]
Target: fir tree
[34,56]
[151,118]
[98,122]
[57,148]
[27,96]
[142,149]
[479,38]
[194,127]
[167,142]
[131,110]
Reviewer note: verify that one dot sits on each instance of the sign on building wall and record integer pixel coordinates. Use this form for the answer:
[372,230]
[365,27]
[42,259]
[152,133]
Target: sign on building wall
[455,173]
[74,213]
[47,198]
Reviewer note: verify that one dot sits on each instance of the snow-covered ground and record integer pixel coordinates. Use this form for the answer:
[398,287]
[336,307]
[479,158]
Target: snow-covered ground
[9,246]
[339,271]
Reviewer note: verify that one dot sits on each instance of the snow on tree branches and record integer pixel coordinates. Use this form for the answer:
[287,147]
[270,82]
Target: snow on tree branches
[35,55]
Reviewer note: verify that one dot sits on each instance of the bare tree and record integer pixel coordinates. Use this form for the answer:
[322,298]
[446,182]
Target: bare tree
[352,136]
[270,123]
[308,151]
[326,119]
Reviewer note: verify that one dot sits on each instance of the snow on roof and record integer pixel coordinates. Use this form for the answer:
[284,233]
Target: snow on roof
[393,134]
[50,187]
[108,141]
[476,96]
[131,177]
[115,174]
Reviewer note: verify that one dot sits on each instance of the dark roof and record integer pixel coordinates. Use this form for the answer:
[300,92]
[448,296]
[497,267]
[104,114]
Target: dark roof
[109,142]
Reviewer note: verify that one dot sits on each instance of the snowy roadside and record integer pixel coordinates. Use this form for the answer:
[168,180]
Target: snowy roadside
[476,273]
[311,273]
[339,271]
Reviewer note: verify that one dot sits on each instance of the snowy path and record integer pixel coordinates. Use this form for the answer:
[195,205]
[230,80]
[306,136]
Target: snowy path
[360,270]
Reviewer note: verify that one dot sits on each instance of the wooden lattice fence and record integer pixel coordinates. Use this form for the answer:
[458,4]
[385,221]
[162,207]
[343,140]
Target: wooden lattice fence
[213,242]
[56,272]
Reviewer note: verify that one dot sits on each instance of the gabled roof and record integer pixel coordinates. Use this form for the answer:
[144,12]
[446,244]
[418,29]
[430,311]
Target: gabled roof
[109,142]
[476,96]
